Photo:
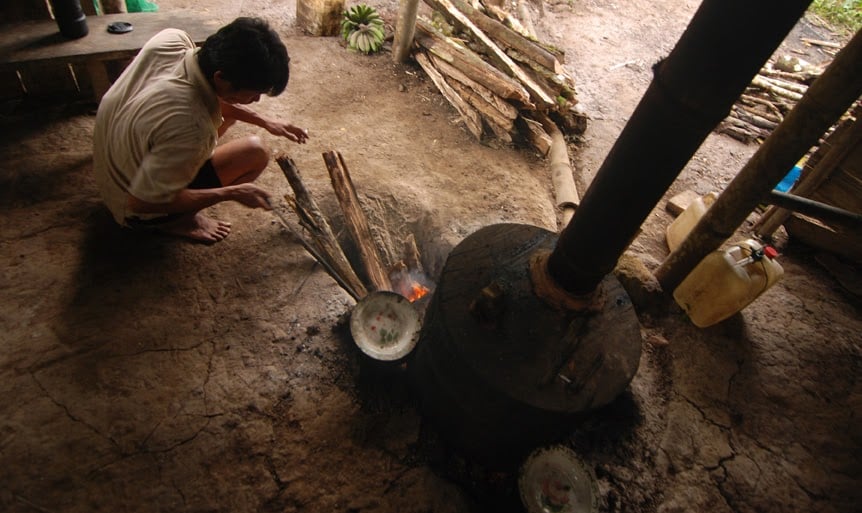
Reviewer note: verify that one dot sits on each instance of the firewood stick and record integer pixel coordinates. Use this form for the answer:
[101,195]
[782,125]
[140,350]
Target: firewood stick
[817,42]
[322,237]
[526,19]
[468,113]
[310,247]
[535,134]
[487,110]
[760,81]
[787,84]
[536,92]
[803,77]
[357,223]
[754,119]
[482,26]
[768,104]
[506,109]
[471,64]
[751,110]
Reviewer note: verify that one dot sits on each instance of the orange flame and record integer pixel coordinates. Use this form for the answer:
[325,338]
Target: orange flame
[416,291]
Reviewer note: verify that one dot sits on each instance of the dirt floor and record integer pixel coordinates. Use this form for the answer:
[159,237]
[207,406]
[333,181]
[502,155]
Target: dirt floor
[144,373]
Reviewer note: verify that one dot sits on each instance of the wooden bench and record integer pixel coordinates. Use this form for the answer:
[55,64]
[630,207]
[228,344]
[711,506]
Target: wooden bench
[32,43]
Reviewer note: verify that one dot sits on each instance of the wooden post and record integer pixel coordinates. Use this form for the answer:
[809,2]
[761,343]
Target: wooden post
[822,105]
[404,30]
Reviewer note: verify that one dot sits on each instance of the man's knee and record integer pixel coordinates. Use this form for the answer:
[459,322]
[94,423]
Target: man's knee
[257,152]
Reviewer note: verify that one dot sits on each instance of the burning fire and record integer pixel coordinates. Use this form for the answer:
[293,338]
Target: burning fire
[416,291]
[410,284]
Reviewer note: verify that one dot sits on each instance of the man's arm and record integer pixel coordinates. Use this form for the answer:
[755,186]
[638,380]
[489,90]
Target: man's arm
[192,200]
[240,113]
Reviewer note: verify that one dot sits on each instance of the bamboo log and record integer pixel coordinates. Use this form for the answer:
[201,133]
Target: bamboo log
[506,109]
[471,64]
[357,223]
[468,114]
[562,173]
[323,241]
[537,93]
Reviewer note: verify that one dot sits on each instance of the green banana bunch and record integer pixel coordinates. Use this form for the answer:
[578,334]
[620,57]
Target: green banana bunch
[362,28]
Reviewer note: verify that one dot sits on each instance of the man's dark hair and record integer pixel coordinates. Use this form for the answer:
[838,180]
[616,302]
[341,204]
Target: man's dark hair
[250,56]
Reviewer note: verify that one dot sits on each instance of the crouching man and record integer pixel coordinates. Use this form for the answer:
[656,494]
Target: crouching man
[156,155]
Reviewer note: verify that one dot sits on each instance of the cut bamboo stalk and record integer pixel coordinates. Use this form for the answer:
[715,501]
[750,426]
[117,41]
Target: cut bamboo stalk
[562,173]
[357,223]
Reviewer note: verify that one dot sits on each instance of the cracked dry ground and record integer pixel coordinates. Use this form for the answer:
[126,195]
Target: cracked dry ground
[145,374]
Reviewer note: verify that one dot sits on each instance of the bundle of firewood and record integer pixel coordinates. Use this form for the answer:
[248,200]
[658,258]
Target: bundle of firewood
[772,93]
[503,82]
[384,262]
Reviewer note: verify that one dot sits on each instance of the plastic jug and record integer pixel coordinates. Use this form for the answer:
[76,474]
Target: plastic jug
[726,281]
[679,229]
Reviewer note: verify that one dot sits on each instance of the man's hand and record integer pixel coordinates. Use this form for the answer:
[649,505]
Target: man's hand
[294,133]
[250,195]
[242,113]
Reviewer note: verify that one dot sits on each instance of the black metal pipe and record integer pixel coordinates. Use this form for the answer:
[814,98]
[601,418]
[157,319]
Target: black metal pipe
[724,46]
[815,209]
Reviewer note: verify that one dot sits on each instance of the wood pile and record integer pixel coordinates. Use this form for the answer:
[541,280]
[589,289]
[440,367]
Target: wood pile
[491,68]
[772,93]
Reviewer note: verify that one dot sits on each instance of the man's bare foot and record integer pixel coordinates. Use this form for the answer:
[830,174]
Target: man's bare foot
[198,227]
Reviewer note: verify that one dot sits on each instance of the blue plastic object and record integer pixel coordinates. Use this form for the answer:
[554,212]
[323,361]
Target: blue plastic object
[789,179]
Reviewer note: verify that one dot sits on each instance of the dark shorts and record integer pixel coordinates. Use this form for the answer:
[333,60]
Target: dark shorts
[207,178]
